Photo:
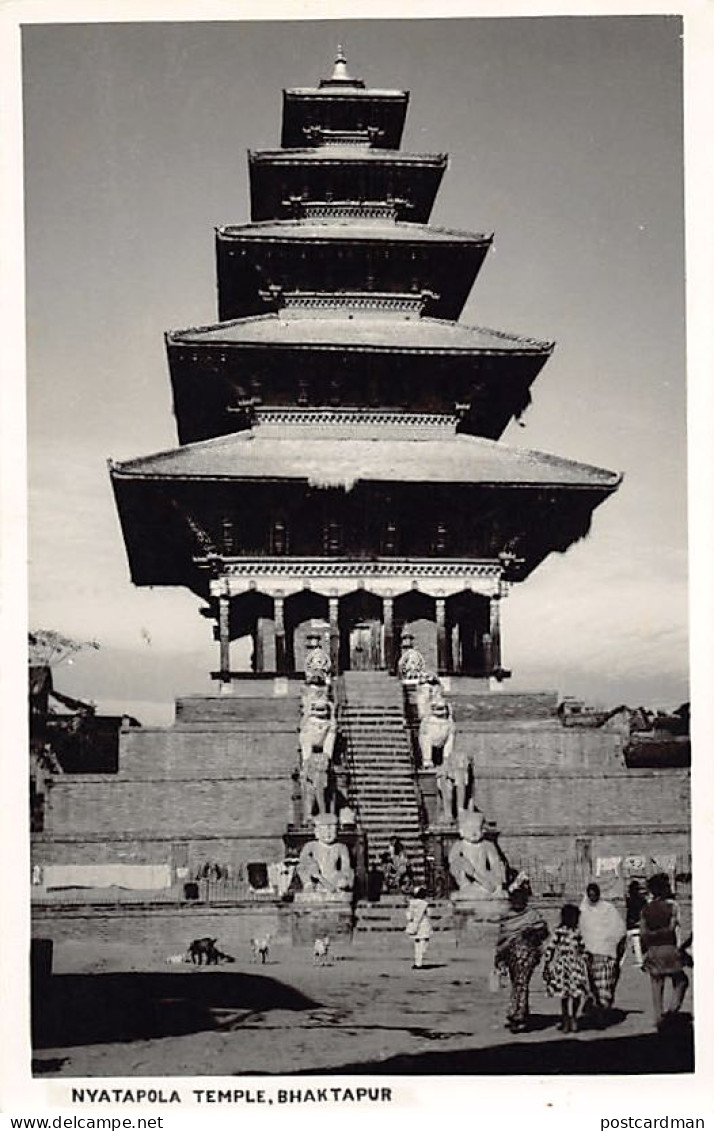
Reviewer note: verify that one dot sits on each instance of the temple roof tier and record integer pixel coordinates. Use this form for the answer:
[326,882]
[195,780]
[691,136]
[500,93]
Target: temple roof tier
[334,456]
[256,262]
[337,495]
[283,180]
[305,359]
[331,114]
[372,331]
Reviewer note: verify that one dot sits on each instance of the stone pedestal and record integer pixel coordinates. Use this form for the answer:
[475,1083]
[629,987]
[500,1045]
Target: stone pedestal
[313,916]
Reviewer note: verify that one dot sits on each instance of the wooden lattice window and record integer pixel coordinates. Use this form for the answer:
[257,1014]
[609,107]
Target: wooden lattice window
[279,538]
[440,544]
[333,538]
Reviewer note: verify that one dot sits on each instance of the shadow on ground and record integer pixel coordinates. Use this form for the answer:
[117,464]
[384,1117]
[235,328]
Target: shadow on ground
[645,1053]
[85,1009]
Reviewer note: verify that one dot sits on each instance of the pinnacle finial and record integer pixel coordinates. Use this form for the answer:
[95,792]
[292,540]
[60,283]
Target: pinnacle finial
[340,71]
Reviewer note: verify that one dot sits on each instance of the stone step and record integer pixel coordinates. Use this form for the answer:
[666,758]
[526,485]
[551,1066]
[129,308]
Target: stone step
[386,819]
[373,793]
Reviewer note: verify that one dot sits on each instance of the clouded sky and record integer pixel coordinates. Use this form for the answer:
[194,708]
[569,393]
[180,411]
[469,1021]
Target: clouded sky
[565,140]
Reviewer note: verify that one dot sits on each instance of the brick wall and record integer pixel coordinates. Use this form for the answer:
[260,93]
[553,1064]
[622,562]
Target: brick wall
[545,744]
[249,806]
[99,848]
[244,750]
[520,800]
[472,702]
[252,700]
[163,930]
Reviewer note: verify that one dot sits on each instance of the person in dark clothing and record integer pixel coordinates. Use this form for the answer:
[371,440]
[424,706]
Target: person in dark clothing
[635,901]
[661,946]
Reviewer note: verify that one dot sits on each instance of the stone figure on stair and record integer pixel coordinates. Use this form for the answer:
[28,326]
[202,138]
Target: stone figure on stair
[428,689]
[411,664]
[452,781]
[474,862]
[318,731]
[318,667]
[437,732]
[324,867]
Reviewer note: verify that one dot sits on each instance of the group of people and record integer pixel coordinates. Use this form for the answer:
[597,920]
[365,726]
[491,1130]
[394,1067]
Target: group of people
[583,956]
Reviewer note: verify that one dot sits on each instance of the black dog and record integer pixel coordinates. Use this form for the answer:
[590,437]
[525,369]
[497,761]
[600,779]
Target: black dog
[206,948]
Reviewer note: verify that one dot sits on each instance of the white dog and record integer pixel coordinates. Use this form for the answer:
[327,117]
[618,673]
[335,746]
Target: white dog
[321,952]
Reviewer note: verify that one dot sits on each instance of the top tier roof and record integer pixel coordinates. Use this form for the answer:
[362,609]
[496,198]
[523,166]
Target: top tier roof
[342,106]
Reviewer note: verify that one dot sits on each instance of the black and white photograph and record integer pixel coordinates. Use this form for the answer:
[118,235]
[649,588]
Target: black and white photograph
[357,520]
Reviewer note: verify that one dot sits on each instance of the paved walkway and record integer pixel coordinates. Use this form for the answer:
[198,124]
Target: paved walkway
[369,1012]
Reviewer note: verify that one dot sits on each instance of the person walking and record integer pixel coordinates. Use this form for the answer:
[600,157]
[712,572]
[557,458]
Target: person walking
[565,971]
[634,903]
[521,933]
[662,949]
[603,932]
[418,926]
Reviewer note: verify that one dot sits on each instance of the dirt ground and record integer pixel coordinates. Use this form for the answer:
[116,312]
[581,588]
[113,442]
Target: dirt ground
[128,1014]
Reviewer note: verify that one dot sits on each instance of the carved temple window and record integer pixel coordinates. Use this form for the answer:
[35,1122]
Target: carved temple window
[441,541]
[390,538]
[279,537]
[228,536]
[333,539]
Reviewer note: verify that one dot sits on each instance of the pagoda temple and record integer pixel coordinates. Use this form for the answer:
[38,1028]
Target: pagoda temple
[340,461]
[340,501]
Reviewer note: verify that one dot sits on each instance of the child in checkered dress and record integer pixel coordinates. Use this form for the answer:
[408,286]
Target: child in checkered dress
[565,972]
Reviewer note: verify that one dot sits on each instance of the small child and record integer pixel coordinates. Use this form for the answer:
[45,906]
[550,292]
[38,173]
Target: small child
[418,926]
[564,971]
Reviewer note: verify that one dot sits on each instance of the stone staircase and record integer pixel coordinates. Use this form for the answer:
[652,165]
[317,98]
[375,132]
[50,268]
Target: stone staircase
[388,916]
[383,784]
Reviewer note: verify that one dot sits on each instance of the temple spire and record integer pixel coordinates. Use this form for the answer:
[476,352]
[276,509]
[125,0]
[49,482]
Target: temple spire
[340,74]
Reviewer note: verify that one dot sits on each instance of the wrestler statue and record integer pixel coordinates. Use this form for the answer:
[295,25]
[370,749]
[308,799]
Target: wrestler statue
[318,731]
[324,866]
[411,664]
[436,731]
[452,779]
[318,667]
[474,862]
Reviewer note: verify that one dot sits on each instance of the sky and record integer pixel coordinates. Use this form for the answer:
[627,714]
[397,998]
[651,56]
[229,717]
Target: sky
[565,140]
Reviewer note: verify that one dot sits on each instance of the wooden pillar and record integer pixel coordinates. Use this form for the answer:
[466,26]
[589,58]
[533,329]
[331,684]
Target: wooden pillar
[441,645]
[334,603]
[388,615]
[224,641]
[495,632]
[487,653]
[259,646]
[279,621]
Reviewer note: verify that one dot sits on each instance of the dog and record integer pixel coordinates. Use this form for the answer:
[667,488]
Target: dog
[321,952]
[201,949]
[261,948]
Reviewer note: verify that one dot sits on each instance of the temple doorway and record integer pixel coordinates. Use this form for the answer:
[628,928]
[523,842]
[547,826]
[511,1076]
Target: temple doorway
[366,653]
[361,632]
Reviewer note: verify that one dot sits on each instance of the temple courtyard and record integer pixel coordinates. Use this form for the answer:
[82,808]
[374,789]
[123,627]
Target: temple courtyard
[127,1012]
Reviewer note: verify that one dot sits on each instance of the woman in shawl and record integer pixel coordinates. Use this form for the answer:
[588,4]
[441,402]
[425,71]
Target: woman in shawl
[661,946]
[604,934]
[521,933]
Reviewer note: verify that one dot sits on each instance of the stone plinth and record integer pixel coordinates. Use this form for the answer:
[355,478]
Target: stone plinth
[315,916]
